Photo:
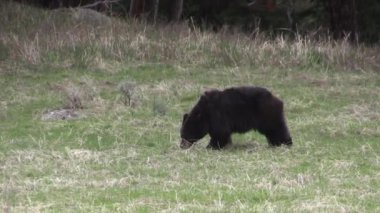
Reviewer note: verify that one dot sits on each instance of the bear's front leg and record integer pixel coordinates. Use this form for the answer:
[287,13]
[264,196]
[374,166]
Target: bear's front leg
[219,143]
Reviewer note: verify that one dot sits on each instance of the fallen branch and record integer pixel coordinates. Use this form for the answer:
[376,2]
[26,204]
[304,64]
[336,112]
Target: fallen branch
[105,2]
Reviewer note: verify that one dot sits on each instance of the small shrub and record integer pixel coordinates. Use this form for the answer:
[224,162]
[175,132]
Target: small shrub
[127,89]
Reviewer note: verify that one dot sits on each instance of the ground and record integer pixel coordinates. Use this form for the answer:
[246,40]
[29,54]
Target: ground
[124,156]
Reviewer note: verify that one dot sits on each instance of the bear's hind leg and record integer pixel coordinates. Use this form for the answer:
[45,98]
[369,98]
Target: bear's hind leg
[219,143]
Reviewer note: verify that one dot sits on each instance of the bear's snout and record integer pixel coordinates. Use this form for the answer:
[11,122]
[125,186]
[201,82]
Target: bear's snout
[185,144]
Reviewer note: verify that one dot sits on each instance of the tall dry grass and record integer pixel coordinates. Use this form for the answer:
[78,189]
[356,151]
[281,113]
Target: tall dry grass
[83,38]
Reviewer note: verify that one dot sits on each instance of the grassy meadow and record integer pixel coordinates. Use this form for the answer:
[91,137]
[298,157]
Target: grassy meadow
[130,83]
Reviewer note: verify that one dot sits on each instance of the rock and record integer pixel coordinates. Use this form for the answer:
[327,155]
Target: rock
[61,114]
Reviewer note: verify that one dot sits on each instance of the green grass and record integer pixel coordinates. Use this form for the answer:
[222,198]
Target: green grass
[120,158]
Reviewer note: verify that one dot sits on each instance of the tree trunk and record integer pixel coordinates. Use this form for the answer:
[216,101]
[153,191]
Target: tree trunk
[136,8]
[290,15]
[343,18]
[355,21]
[176,11]
[156,7]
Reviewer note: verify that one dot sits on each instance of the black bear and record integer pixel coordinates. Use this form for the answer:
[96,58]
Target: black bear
[235,110]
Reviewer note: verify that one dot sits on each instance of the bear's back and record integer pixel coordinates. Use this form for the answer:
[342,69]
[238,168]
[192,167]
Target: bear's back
[244,97]
[241,106]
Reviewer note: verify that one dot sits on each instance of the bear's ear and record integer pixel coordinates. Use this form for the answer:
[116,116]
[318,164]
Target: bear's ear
[210,93]
[209,97]
[185,117]
[207,93]
[203,100]
[203,97]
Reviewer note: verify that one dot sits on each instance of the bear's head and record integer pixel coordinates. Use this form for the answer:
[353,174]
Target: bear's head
[195,125]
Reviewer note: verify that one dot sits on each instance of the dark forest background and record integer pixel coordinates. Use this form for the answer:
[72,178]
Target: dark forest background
[351,19]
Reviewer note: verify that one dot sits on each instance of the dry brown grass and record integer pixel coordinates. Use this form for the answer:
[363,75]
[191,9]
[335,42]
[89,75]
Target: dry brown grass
[70,37]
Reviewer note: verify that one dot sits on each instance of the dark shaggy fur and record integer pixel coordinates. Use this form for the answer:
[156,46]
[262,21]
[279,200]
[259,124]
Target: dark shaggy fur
[235,110]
